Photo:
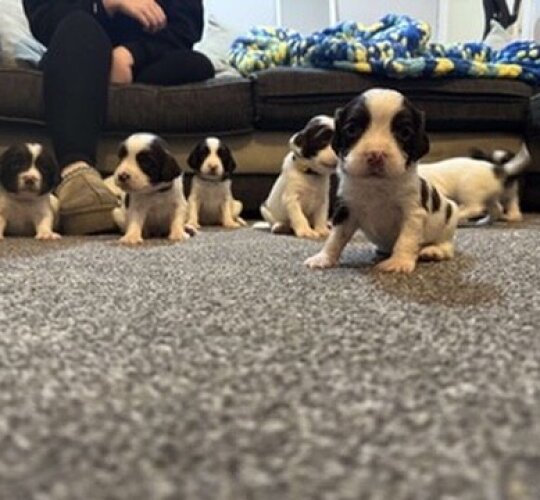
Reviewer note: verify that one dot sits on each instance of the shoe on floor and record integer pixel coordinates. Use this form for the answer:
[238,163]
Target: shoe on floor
[86,203]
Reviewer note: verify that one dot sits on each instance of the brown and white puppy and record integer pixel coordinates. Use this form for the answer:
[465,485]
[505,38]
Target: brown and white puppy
[484,185]
[28,175]
[210,201]
[299,199]
[154,204]
[379,138]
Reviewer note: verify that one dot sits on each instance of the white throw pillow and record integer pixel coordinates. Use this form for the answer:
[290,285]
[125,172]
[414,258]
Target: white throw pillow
[498,38]
[16,41]
[215,43]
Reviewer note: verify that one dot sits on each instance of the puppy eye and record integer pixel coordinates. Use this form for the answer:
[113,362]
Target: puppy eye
[324,136]
[352,130]
[405,133]
[146,161]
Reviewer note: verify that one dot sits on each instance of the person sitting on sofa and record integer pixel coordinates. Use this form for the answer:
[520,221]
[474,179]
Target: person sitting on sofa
[89,44]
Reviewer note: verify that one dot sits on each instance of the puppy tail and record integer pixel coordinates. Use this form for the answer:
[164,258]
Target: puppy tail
[514,167]
[509,170]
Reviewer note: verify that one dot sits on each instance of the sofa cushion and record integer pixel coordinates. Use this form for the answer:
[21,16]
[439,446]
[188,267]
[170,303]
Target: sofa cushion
[220,106]
[286,98]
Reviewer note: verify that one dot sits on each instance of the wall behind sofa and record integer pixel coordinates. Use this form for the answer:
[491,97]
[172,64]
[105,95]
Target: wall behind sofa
[369,12]
[240,15]
[309,15]
[451,20]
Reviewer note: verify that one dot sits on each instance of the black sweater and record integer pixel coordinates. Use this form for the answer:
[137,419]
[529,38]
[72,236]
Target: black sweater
[184,25]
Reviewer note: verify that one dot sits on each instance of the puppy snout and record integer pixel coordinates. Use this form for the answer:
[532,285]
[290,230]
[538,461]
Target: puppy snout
[375,159]
[30,180]
[123,177]
[213,168]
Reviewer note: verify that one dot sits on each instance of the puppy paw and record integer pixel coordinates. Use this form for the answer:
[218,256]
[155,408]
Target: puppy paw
[512,217]
[130,240]
[241,221]
[232,225]
[178,236]
[397,265]
[191,230]
[323,232]
[320,260]
[432,253]
[48,236]
[193,224]
[307,233]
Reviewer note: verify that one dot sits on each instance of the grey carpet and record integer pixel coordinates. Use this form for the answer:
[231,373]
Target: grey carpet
[222,369]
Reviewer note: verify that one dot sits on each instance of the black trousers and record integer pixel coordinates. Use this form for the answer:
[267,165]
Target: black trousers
[76,71]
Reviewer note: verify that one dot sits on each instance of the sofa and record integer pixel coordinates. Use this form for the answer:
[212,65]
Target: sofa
[257,115]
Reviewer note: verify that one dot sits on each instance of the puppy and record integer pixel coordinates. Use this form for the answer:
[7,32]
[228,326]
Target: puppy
[211,201]
[483,184]
[379,138]
[299,199]
[154,202]
[28,175]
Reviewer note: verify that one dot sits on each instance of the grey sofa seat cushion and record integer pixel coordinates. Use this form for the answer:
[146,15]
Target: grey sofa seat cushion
[287,98]
[220,106]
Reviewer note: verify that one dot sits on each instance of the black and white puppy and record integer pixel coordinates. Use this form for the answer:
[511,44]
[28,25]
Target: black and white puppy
[210,201]
[299,198]
[379,138]
[28,175]
[485,184]
[154,202]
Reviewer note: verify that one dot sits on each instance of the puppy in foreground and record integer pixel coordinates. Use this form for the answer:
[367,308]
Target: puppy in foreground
[28,175]
[484,185]
[211,201]
[299,199]
[154,204]
[379,138]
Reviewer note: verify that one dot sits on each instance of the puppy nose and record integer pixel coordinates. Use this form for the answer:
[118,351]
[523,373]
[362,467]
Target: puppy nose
[213,168]
[123,177]
[29,180]
[376,159]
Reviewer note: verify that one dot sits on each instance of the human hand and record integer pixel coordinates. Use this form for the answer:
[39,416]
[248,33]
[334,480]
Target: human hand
[147,12]
[122,66]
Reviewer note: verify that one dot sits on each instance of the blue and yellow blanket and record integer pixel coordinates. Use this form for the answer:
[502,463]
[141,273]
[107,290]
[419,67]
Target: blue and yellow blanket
[396,46]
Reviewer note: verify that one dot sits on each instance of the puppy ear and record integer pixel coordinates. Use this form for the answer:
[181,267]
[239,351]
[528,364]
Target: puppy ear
[297,143]
[419,142]
[122,151]
[423,139]
[5,159]
[14,159]
[196,157]
[229,163]
[170,169]
[50,172]
[337,138]
[4,167]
